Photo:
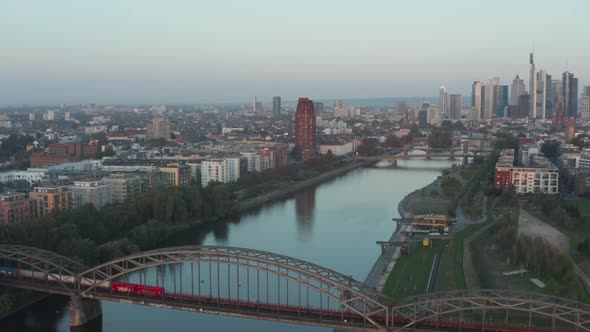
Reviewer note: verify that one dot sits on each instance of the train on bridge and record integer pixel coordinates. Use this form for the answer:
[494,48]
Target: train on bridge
[120,287]
[347,316]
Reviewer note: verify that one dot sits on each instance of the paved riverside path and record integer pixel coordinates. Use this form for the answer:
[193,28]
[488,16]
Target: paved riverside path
[383,266]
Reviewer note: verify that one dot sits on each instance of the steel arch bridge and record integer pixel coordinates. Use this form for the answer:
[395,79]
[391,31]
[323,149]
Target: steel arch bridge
[264,285]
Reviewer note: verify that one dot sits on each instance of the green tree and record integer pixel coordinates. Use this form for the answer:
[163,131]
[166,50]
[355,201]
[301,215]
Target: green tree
[581,141]
[440,137]
[550,149]
[368,147]
[392,141]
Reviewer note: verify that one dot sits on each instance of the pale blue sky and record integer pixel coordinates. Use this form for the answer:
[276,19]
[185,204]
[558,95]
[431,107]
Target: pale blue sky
[141,51]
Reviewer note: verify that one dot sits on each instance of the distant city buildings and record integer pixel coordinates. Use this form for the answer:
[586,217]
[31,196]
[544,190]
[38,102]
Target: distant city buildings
[517,89]
[477,94]
[401,107]
[540,176]
[532,87]
[15,208]
[59,153]
[318,107]
[46,199]
[423,118]
[340,111]
[276,106]
[96,193]
[257,105]
[159,128]
[455,105]
[570,94]
[585,104]
[570,129]
[178,174]
[444,102]
[542,108]
[305,128]
[123,186]
[500,95]
[220,170]
[489,98]
[434,116]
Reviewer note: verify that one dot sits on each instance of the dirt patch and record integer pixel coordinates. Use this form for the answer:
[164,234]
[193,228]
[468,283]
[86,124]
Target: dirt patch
[531,226]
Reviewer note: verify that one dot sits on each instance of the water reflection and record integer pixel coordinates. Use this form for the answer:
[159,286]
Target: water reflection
[92,326]
[304,211]
[43,316]
[354,209]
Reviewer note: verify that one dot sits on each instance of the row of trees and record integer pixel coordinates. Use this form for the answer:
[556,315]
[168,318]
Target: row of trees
[92,235]
[559,211]
[275,178]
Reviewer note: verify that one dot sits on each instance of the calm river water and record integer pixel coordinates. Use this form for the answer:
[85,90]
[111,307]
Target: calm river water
[334,224]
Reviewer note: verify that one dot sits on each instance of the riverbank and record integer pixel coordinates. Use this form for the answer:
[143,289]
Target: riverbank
[385,263]
[271,196]
[255,202]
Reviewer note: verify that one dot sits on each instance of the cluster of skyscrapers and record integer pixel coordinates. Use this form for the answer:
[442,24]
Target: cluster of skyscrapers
[450,104]
[546,98]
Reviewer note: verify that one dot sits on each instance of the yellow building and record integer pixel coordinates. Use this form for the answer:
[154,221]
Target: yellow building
[178,174]
[46,199]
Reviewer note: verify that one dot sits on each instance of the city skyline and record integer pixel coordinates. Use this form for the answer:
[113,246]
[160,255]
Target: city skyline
[154,53]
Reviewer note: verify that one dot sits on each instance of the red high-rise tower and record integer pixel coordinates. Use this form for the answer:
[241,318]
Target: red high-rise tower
[305,128]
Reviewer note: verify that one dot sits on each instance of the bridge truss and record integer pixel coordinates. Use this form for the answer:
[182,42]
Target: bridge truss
[489,309]
[244,277]
[264,285]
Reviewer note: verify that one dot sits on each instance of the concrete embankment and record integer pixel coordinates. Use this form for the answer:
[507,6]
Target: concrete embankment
[386,261]
[255,202]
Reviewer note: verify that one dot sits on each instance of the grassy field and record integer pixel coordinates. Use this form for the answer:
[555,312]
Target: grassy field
[410,273]
[584,207]
[450,273]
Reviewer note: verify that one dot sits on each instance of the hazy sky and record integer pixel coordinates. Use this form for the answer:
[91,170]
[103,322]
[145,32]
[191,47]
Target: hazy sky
[125,51]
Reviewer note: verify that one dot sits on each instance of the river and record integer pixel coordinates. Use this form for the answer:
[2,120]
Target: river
[334,224]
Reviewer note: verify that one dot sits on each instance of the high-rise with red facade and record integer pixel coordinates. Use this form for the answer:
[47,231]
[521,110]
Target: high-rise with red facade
[305,128]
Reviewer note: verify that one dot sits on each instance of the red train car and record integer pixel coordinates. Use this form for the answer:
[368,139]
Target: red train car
[124,287]
[149,290]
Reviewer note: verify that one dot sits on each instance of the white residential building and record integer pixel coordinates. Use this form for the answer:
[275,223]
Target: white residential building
[31,175]
[233,169]
[77,166]
[253,161]
[94,192]
[213,170]
[535,180]
[123,186]
[526,152]
[340,149]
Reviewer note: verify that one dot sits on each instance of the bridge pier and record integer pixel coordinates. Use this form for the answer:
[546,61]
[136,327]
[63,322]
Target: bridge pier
[83,310]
